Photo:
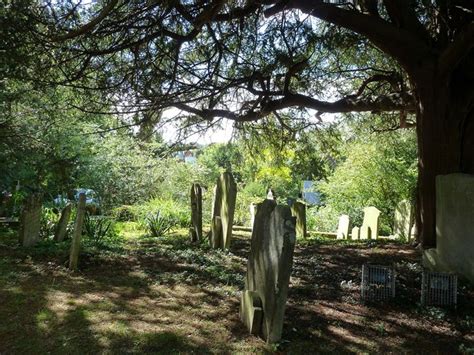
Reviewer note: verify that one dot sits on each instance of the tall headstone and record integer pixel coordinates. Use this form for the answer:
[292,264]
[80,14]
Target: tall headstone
[196,212]
[61,227]
[77,234]
[225,194]
[454,250]
[403,220]
[30,220]
[343,227]
[370,225]
[355,233]
[268,270]
[298,209]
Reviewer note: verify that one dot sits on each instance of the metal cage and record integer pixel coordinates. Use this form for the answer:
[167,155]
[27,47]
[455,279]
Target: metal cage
[378,282]
[439,289]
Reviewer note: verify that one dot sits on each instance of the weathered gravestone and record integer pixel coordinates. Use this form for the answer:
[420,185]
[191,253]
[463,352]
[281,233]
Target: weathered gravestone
[30,220]
[370,225]
[454,250]
[252,207]
[403,220]
[269,267]
[343,227]
[77,234]
[298,209]
[61,227]
[196,213]
[225,194]
[355,233]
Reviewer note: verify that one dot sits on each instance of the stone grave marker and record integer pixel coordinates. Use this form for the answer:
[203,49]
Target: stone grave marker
[454,252]
[225,194]
[370,225]
[252,213]
[298,209]
[61,227]
[268,270]
[196,213]
[77,234]
[355,233]
[343,227]
[403,220]
[30,220]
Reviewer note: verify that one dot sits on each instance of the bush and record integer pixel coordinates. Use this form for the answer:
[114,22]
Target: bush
[98,228]
[172,210]
[159,225]
[322,219]
[125,213]
[49,220]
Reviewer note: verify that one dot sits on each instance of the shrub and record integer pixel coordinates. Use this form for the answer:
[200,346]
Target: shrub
[98,228]
[49,219]
[158,224]
[125,213]
[172,210]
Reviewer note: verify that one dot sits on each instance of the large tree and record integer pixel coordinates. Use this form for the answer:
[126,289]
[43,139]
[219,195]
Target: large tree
[245,60]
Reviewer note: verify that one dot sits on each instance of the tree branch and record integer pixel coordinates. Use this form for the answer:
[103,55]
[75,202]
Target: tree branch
[403,45]
[457,50]
[88,26]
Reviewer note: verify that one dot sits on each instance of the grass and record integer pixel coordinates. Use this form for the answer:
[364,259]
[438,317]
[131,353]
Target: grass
[139,294]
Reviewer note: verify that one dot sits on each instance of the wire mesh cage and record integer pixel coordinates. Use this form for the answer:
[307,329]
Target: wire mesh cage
[378,282]
[439,289]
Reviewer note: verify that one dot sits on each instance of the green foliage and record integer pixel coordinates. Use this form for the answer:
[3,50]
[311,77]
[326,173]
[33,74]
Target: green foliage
[159,225]
[49,220]
[322,219]
[124,213]
[380,172]
[98,229]
[170,209]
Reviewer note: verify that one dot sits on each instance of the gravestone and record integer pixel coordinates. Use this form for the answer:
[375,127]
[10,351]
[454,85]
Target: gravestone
[196,213]
[343,227]
[370,225]
[77,234]
[268,270]
[298,210]
[454,227]
[225,194]
[403,220]
[252,214]
[30,220]
[355,233]
[61,227]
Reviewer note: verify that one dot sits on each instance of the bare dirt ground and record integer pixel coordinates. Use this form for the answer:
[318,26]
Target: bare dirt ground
[166,296]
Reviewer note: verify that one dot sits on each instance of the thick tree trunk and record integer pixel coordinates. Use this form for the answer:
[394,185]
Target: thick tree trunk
[445,131]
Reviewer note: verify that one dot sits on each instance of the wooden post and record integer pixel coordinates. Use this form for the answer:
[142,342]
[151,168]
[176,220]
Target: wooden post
[77,234]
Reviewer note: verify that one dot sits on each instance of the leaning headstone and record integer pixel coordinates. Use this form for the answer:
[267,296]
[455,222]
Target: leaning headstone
[343,227]
[298,209]
[225,194]
[403,220]
[268,270]
[196,212]
[77,234]
[61,227]
[30,220]
[355,233]
[370,225]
